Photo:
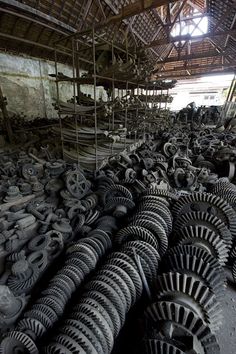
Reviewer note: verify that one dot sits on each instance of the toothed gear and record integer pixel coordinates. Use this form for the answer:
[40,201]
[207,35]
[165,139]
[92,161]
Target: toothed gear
[119,201]
[182,321]
[87,332]
[161,346]
[158,209]
[183,289]
[99,320]
[107,290]
[206,239]
[149,196]
[150,216]
[134,232]
[161,193]
[16,342]
[192,265]
[209,203]
[56,348]
[157,231]
[108,306]
[204,219]
[119,281]
[79,337]
[85,300]
[70,344]
[116,190]
[234,271]
[126,263]
[31,327]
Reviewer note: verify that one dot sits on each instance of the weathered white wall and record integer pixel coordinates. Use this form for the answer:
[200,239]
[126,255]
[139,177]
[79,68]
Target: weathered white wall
[30,90]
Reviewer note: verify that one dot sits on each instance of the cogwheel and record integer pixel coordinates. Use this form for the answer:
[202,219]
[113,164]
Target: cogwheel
[58,282]
[191,293]
[83,248]
[95,244]
[98,307]
[107,279]
[161,193]
[53,302]
[70,344]
[108,306]
[47,316]
[31,327]
[175,320]
[191,265]
[200,253]
[85,258]
[157,230]
[150,216]
[108,291]
[129,267]
[206,239]
[126,278]
[79,264]
[79,337]
[152,254]
[91,324]
[234,271]
[148,269]
[17,342]
[204,219]
[56,348]
[73,273]
[130,233]
[116,190]
[115,202]
[158,209]
[147,197]
[209,203]
[61,279]
[102,236]
[86,331]
[161,346]
[22,286]
[119,281]
[55,291]
[99,320]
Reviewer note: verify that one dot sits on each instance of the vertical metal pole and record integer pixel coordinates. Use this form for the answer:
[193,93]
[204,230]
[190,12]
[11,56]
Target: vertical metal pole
[113,86]
[95,98]
[74,94]
[58,104]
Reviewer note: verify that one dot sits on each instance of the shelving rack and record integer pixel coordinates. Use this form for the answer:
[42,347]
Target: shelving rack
[115,67]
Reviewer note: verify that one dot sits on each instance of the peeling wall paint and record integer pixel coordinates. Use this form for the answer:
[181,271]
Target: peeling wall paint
[29,89]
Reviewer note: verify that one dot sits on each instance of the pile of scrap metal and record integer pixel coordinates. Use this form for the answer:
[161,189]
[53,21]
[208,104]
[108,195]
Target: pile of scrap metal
[56,226]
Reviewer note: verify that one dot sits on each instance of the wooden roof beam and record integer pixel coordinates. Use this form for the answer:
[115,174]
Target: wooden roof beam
[189,57]
[188,37]
[137,8]
[207,73]
[195,67]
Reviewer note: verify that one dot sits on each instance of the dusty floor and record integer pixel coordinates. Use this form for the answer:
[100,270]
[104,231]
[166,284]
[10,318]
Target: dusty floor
[227,334]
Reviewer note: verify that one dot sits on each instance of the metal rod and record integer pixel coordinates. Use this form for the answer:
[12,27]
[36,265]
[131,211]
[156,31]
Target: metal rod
[95,98]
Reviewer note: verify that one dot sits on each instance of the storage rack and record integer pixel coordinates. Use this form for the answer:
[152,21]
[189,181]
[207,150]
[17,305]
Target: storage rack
[83,48]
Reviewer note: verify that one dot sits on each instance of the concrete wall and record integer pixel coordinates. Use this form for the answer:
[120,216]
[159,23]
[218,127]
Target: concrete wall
[29,89]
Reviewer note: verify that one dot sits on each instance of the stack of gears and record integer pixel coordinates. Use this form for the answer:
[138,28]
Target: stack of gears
[186,313]
[56,226]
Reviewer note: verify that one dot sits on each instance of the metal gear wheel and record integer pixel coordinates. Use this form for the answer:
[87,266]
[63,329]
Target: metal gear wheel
[134,232]
[151,216]
[209,203]
[175,320]
[206,239]
[161,346]
[157,230]
[193,294]
[18,342]
[204,219]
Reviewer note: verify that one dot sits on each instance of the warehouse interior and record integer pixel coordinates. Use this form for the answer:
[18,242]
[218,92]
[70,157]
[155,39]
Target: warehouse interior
[118,176]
